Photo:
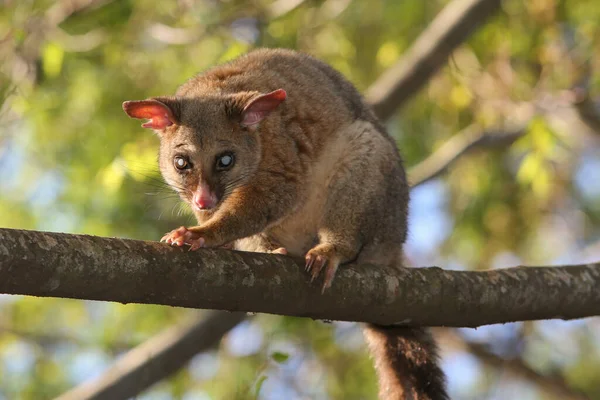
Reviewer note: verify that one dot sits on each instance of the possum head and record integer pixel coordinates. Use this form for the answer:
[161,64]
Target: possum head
[209,145]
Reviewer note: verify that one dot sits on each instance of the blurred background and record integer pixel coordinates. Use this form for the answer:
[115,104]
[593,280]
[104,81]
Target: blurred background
[71,161]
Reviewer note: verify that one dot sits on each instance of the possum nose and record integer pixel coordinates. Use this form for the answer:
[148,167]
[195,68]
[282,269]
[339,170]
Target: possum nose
[204,198]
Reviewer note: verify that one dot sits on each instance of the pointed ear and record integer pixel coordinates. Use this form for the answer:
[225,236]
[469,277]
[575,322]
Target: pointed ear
[257,109]
[159,114]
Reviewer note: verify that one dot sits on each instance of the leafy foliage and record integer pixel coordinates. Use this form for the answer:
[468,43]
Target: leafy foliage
[70,160]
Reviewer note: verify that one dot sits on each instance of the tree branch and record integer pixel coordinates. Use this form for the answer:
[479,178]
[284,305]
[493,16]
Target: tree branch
[469,139]
[129,271]
[451,27]
[555,386]
[156,358]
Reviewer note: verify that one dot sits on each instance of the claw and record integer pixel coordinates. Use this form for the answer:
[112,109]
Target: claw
[329,275]
[196,244]
[323,256]
[182,236]
[310,260]
[320,262]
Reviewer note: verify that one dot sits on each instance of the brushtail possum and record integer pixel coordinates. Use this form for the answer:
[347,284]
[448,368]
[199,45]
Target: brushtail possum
[277,152]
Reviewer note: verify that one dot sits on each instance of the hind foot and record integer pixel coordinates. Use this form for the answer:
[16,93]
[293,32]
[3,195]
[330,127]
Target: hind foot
[322,256]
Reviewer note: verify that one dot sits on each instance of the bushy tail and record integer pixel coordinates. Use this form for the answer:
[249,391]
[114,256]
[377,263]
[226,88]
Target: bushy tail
[406,361]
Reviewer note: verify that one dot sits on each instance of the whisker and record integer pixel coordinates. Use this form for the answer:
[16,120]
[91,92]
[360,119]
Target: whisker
[165,186]
[183,209]
[158,186]
[173,209]
[156,181]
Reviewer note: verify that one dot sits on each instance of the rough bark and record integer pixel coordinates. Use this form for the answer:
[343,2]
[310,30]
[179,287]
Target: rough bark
[130,271]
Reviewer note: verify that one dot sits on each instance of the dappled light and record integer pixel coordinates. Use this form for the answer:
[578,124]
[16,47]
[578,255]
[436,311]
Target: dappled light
[499,128]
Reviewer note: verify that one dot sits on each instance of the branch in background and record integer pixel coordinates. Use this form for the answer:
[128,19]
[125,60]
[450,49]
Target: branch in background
[156,358]
[79,43]
[449,29]
[61,10]
[554,386]
[469,139]
[170,35]
[129,271]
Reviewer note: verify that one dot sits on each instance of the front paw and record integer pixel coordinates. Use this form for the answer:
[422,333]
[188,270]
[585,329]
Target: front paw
[182,235]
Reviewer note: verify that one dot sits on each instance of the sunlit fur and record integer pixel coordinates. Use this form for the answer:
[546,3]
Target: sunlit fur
[318,176]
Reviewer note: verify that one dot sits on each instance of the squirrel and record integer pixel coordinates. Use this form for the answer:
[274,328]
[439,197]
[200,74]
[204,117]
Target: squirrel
[277,152]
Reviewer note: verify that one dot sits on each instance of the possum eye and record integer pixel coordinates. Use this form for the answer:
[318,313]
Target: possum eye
[181,163]
[225,161]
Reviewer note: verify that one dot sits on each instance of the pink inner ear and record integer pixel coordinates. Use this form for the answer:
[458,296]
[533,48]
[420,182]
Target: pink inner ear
[160,115]
[260,107]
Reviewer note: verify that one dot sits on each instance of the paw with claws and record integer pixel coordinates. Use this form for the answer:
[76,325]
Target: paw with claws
[322,256]
[181,236]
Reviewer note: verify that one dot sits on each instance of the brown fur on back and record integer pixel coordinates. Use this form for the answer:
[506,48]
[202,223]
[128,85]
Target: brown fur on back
[319,177]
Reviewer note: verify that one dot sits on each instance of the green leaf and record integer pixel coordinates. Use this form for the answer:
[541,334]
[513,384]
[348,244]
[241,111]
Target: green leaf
[52,59]
[279,357]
